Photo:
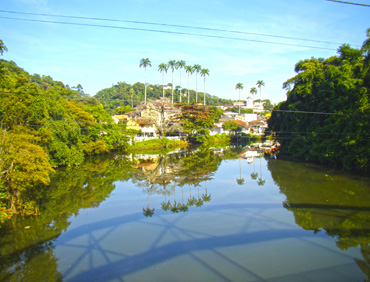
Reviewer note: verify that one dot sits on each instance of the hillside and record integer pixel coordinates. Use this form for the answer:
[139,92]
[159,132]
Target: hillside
[119,95]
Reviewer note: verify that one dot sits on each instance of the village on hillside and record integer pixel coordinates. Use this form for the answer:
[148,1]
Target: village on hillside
[159,118]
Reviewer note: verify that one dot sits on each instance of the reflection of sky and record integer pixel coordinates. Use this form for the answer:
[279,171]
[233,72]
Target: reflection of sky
[242,234]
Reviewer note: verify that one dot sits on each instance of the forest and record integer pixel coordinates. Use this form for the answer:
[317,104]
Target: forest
[46,124]
[123,95]
[326,116]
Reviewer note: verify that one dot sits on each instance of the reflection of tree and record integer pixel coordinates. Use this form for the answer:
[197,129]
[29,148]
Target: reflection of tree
[327,200]
[240,180]
[171,170]
[254,175]
[364,264]
[28,254]
[261,181]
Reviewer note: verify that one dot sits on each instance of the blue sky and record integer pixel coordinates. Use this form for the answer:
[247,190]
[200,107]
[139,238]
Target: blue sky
[98,57]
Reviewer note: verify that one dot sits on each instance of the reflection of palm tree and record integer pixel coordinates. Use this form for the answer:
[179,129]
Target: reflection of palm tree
[175,208]
[165,205]
[254,175]
[148,212]
[261,181]
[206,198]
[199,203]
[241,180]
[183,208]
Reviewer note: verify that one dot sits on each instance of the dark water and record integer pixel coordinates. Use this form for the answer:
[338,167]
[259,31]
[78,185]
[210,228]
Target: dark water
[205,215]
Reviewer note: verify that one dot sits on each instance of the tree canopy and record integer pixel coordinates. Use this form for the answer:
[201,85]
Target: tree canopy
[326,117]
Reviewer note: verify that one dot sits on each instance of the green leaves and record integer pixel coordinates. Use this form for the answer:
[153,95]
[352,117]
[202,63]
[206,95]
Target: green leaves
[336,90]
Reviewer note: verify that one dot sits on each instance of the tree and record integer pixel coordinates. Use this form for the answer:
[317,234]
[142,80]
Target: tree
[337,87]
[196,69]
[259,84]
[145,62]
[172,66]
[132,93]
[253,91]
[189,70]
[239,86]
[180,65]
[162,68]
[204,73]
[2,47]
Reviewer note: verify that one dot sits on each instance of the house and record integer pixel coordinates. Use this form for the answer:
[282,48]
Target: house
[257,126]
[118,118]
[146,127]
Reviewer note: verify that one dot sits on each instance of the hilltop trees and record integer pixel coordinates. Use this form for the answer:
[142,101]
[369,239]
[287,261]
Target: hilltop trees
[45,124]
[337,89]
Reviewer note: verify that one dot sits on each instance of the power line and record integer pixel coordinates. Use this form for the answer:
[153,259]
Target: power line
[170,32]
[308,112]
[351,3]
[171,25]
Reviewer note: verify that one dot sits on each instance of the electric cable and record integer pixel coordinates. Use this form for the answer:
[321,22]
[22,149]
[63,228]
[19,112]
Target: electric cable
[172,32]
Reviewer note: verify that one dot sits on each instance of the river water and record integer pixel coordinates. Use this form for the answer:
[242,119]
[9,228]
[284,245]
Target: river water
[200,215]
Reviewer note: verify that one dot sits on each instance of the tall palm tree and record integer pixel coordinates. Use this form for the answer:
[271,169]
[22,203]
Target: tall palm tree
[172,65]
[180,65]
[204,73]
[189,70]
[239,86]
[253,91]
[196,69]
[259,84]
[145,62]
[2,47]
[366,46]
[162,68]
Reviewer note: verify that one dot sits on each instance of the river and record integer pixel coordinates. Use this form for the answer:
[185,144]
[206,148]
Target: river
[209,214]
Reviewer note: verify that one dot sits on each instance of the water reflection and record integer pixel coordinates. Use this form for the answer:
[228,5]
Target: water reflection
[180,214]
[163,174]
[327,200]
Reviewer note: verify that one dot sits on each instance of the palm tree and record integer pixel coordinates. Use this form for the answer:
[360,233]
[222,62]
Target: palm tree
[172,65]
[162,68]
[365,46]
[196,69]
[145,63]
[180,65]
[259,84]
[253,91]
[239,86]
[204,73]
[2,47]
[189,70]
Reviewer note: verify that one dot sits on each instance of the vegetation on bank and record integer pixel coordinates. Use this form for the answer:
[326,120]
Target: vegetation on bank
[46,124]
[157,143]
[326,117]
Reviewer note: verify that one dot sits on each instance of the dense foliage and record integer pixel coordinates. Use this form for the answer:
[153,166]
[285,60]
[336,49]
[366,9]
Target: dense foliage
[124,94]
[45,124]
[326,117]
